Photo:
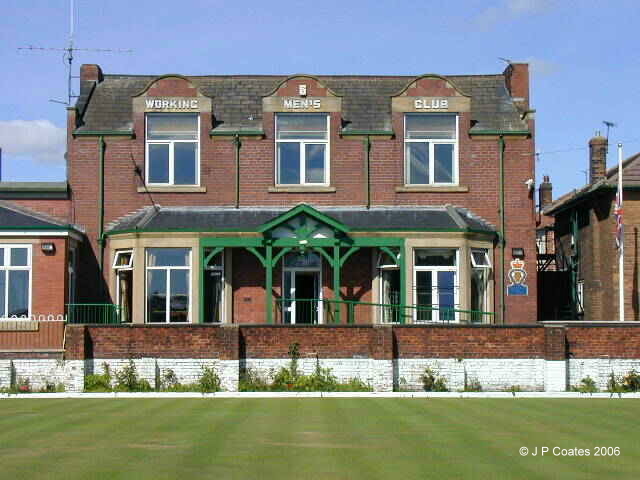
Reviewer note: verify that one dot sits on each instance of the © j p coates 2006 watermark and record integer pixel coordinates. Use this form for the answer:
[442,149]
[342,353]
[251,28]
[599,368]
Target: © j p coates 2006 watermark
[570,452]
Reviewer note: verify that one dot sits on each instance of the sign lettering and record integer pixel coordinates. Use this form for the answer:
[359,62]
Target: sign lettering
[301,103]
[172,103]
[434,104]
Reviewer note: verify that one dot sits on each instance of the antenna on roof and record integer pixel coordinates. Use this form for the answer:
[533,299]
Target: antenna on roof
[68,54]
[505,60]
[609,125]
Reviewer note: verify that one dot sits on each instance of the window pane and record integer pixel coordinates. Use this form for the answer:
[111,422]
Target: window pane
[184,160]
[446,295]
[443,162]
[157,295]
[314,169]
[19,257]
[213,288]
[430,126]
[3,287]
[418,162]
[171,126]
[168,257]
[307,260]
[158,163]
[424,295]
[18,293]
[125,292]
[1,257]
[436,257]
[302,126]
[479,281]
[480,258]
[289,163]
[179,300]
[123,259]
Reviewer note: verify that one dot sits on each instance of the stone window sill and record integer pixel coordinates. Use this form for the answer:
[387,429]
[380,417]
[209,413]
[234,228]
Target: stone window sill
[172,189]
[18,325]
[432,188]
[302,189]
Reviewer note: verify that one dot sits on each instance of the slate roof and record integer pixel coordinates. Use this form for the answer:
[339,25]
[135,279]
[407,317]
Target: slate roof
[630,179]
[249,219]
[14,217]
[237,100]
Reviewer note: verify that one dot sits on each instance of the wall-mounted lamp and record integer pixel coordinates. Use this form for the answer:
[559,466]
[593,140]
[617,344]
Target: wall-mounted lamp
[48,248]
[517,252]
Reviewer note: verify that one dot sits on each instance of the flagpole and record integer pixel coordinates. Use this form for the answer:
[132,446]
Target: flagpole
[621,250]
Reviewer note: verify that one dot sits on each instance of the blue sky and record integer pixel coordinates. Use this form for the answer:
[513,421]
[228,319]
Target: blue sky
[584,58]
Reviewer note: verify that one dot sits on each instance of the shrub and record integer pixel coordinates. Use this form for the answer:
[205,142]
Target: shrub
[209,380]
[472,385]
[432,382]
[251,381]
[127,380]
[99,382]
[614,384]
[631,381]
[586,385]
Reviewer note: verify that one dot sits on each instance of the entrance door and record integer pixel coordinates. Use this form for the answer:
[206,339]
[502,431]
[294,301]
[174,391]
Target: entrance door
[302,292]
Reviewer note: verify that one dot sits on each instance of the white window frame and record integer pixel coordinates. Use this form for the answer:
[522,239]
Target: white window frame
[432,142]
[72,266]
[434,284]
[303,153]
[483,251]
[171,143]
[580,294]
[7,268]
[121,268]
[168,296]
[223,303]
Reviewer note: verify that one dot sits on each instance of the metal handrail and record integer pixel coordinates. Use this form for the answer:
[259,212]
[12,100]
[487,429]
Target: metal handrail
[94,313]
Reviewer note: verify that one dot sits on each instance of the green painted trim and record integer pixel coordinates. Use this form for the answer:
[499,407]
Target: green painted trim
[269,283]
[504,133]
[327,257]
[402,261]
[201,282]
[306,209]
[347,133]
[261,258]
[233,133]
[103,133]
[346,256]
[337,268]
[281,254]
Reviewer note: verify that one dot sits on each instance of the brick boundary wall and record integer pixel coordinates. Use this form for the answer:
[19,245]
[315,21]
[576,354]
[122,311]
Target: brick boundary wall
[532,357]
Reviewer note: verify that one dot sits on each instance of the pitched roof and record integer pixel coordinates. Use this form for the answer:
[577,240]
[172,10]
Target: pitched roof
[630,179]
[251,219]
[237,100]
[13,217]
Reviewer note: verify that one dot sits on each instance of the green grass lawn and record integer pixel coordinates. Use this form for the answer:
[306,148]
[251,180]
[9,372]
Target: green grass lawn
[315,438]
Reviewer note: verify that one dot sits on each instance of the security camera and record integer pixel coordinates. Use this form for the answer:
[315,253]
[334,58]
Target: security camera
[530,183]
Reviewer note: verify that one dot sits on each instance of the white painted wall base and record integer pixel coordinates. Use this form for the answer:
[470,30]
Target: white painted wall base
[494,374]
[382,375]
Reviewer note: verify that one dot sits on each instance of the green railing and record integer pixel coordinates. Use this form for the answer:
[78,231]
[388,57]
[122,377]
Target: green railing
[101,313]
[311,310]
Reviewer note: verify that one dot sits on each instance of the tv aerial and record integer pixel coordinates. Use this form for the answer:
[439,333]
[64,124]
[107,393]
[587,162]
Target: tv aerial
[68,54]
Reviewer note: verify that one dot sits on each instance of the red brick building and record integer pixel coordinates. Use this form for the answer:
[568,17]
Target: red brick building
[585,240]
[304,199]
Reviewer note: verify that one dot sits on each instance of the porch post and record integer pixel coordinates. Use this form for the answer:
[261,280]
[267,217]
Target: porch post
[336,280]
[403,283]
[269,281]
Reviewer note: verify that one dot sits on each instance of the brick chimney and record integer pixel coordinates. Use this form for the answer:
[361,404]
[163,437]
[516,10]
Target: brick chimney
[90,72]
[545,192]
[516,77]
[597,158]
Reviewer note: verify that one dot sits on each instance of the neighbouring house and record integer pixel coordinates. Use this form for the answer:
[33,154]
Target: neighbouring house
[585,243]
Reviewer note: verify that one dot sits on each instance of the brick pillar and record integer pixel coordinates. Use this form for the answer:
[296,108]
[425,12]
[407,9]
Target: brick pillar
[75,354]
[229,356]
[555,355]
[597,158]
[545,192]
[382,358]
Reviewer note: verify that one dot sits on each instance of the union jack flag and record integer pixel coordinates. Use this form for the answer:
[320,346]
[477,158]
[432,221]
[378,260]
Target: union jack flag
[617,214]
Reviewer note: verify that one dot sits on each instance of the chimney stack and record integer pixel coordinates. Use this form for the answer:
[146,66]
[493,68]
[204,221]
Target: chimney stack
[545,192]
[517,81]
[90,72]
[597,158]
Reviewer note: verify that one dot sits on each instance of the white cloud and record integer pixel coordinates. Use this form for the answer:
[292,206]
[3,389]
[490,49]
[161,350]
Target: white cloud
[510,10]
[542,68]
[39,140]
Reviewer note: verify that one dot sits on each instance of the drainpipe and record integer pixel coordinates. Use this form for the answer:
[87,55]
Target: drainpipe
[101,216]
[367,168]
[503,306]
[237,143]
